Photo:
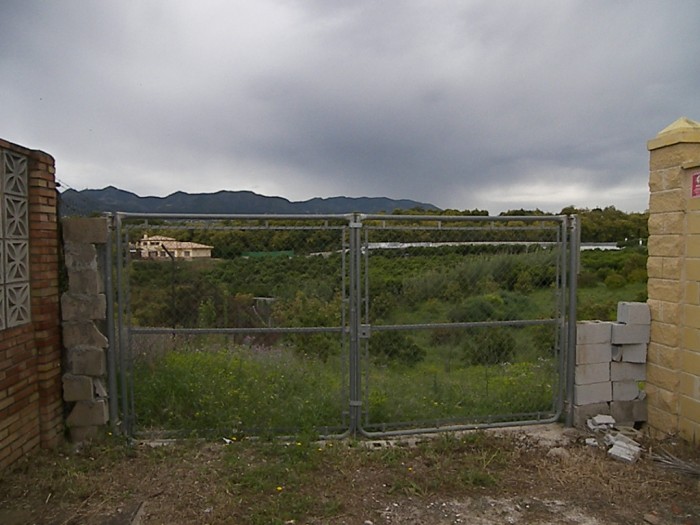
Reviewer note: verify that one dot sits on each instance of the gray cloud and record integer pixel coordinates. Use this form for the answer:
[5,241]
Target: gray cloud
[462,104]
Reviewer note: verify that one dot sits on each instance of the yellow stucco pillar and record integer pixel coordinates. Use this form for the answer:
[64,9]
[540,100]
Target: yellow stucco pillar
[673,364]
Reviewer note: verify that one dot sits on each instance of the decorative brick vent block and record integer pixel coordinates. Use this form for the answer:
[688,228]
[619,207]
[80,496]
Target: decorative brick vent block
[15,307]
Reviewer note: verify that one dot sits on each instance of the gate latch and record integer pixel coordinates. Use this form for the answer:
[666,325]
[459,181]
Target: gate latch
[365,331]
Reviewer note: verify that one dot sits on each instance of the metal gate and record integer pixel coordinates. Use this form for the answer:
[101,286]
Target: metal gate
[347,324]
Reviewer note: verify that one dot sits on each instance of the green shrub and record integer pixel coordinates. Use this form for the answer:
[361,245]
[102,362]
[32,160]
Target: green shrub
[488,347]
[615,281]
[395,347]
[587,279]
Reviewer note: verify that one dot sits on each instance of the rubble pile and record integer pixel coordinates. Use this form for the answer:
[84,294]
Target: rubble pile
[620,446]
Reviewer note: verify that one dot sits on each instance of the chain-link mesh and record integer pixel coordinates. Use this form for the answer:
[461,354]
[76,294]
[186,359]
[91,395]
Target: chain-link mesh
[237,326]
[247,325]
[466,318]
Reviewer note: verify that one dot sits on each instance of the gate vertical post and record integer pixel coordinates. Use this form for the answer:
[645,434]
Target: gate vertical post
[355,312]
[574,247]
[112,398]
[121,301]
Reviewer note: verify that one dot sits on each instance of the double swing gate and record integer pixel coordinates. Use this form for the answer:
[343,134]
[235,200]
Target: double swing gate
[337,325]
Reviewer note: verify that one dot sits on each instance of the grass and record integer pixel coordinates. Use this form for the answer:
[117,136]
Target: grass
[240,391]
[272,479]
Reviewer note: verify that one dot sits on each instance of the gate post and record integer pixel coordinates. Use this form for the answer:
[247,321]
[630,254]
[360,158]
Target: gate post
[82,306]
[355,320]
[673,363]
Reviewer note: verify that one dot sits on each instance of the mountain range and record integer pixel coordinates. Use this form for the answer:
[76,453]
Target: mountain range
[109,199]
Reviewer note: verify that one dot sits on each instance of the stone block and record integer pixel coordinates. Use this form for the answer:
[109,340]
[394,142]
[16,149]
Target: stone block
[80,256]
[667,152]
[86,229]
[82,307]
[628,371]
[592,373]
[78,388]
[593,393]
[593,353]
[662,377]
[662,423]
[666,201]
[690,408]
[666,223]
[625,334]
[662,399]
[669,290]
[690,431]
[665,245]
[636,353]
[593,332]
[690,385]
[633,313]
[88,413]
[85,282]
[625,390]
[665,334]
[583,413]
[83,334]
[87,360]
[628,413]
[100,389]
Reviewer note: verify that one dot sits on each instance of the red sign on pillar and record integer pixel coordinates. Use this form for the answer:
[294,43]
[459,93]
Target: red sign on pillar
[695,185]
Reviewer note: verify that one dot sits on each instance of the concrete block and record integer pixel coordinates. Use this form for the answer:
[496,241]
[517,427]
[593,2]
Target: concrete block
[624,452]
[593,353]
[625,390]
[634,353]
[80,256]
[633,313]
[593,332]
[583,413]
[625,334]
[86,229]
[87,360]
[593,393]
[83,334]
[616,353]
[88,413]
[628,371]
[78,388]
[82,307]
[592,373]
[629,412]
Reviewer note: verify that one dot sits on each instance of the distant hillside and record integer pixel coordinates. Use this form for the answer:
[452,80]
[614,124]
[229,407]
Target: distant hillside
[87,202]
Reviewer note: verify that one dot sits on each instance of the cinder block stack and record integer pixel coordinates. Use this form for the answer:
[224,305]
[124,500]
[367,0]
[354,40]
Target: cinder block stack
[611,366]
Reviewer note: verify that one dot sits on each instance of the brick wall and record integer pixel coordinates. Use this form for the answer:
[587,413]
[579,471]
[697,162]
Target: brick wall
[31,409]
[673,369]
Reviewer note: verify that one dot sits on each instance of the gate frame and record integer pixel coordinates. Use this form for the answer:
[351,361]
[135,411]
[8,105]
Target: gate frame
[119,331]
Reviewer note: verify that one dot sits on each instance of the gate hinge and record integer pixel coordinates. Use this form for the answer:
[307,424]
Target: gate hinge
[355,224]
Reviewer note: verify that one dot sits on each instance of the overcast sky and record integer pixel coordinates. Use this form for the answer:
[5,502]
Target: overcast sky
[464,104]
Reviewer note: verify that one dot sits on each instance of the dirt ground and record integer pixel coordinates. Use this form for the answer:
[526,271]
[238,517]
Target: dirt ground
[539,475]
